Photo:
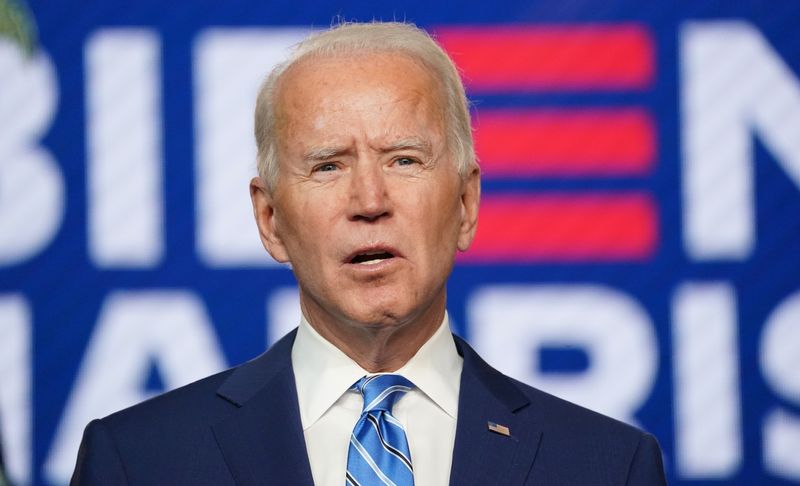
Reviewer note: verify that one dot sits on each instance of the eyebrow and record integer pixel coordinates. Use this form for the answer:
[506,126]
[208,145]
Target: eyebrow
[324,153]
[411,143]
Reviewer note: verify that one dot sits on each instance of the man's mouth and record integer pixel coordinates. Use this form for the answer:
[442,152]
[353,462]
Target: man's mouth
[370,257]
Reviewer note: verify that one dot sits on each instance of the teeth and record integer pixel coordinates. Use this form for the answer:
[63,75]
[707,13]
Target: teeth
[371,258]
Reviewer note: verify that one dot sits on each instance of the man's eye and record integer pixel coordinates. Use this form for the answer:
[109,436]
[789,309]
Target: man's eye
[405,161]
[328,167]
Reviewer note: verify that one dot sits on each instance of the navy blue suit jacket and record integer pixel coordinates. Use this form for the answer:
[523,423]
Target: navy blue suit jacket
[242,427]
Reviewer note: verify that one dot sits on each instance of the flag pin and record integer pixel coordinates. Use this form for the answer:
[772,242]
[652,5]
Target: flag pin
[499,429]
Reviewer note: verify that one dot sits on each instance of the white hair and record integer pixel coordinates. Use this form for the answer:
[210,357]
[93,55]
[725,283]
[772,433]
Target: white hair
[360,38]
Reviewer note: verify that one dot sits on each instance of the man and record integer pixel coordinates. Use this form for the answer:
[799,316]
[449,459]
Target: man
[367,186]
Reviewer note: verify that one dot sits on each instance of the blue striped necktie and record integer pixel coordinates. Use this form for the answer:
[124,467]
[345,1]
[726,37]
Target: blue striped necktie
[378,453]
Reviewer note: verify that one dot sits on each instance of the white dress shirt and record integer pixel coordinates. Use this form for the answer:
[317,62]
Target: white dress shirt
[329,410]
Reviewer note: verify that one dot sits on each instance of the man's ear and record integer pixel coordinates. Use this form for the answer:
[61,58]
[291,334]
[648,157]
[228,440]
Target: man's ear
[264,211]
[470,201]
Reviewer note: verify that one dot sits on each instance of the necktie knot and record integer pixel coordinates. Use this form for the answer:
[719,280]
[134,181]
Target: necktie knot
[378,452]
[381,392]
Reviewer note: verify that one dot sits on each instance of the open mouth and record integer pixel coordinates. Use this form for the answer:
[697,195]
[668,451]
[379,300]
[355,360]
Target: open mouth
[371,257]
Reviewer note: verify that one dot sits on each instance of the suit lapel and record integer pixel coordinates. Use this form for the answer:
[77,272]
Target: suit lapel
[262,439]
[482,456]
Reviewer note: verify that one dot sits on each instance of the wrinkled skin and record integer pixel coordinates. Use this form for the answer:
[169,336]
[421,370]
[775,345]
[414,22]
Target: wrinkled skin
[369,207]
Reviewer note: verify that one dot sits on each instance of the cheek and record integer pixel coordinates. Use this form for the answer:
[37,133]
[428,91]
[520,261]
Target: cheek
[318,220]
[442,217]
[449,211]
[296,228]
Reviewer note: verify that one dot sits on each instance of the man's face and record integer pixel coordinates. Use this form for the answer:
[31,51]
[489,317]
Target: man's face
[369,208]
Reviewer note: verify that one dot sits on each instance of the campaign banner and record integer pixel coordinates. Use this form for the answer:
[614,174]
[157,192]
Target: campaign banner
[638,245]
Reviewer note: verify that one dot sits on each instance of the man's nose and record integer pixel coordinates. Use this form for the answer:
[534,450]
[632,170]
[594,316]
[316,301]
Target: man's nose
[369,199]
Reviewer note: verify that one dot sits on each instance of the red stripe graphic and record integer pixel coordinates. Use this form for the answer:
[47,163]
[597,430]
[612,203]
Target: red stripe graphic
[524,58]
[602,142]
[565,228]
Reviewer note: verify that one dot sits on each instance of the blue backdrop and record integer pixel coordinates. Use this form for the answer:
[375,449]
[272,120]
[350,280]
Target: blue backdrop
[637,249]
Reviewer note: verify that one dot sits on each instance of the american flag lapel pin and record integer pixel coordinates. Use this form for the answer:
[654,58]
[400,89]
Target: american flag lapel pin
[499,429]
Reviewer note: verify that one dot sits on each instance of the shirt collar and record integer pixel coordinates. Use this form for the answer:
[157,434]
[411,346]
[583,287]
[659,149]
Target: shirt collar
[436,369]
[323,373]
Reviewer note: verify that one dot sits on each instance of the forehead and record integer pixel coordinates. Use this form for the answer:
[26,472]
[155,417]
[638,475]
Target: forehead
[330,73]
[379,91]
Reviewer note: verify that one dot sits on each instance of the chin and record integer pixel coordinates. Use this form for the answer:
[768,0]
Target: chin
[377,316]
[393,313]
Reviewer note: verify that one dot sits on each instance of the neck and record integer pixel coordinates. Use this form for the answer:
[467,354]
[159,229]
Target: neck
[379,347]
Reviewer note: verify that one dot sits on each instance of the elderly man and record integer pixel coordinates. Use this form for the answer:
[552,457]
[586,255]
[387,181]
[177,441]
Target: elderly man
[367,186]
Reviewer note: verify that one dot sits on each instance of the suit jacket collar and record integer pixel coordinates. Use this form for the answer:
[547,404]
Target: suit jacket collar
[263,436]
[482,456]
